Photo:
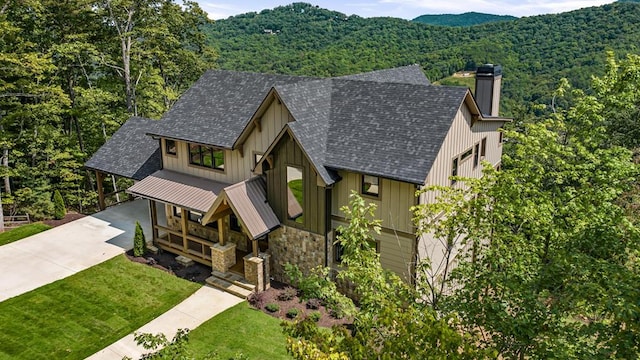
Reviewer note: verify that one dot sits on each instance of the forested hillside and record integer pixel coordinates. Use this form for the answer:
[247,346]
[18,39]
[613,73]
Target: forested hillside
[71,73]
[466,19]
[534,51]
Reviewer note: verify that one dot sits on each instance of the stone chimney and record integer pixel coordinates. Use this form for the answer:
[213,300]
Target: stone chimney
[488,81]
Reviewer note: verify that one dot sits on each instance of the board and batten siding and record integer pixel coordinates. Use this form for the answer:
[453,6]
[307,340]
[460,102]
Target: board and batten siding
[392,205]
[237,167]
[288,153]
[461,137]
[397,251]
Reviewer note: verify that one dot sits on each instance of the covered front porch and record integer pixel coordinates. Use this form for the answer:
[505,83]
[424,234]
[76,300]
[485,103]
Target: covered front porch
[219,225]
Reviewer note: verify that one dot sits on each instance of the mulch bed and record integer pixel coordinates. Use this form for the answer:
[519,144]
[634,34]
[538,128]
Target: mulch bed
[271,296]
[71,216]
[166,261]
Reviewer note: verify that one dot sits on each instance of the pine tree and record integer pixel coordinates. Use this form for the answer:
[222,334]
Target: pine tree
[139,242]
[59,209]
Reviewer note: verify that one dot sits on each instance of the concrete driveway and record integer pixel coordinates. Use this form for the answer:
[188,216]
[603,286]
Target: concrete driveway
[67,249]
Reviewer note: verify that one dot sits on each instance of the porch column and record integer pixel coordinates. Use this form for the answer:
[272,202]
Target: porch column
[154,221]
[221,232]
[254,243]
[99,179]
[185,230]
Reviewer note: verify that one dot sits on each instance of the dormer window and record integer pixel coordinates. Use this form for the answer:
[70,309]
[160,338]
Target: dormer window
[205,156]
[370,185]
[170,147]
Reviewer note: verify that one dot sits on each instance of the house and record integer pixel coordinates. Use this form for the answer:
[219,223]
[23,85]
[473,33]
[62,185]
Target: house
[252,169]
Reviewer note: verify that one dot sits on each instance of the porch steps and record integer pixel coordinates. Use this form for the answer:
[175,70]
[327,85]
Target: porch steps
[231,283]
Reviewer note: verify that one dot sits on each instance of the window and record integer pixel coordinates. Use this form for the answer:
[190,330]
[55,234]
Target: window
[234,224]
[170,147]
[467,154]
[370,185]
[500,137]
[476,156]
[454,170]
[205,156]
[195,216]
[212,224]
[295,194]
[177,212]
[338,248]
[256,158]
[483,147]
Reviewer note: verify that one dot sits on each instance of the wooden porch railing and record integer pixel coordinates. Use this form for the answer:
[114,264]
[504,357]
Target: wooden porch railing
[198,249]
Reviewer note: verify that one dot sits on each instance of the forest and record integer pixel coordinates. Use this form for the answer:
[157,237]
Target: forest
[559,275]
[466,19]
[72,72]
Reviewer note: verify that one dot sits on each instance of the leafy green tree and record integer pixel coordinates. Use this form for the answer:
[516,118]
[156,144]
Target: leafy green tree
[547,262]
[389,323]
[139,242]
[59,209]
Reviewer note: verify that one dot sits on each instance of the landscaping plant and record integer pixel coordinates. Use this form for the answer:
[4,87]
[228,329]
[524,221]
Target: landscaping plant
[59,209]
[139,242]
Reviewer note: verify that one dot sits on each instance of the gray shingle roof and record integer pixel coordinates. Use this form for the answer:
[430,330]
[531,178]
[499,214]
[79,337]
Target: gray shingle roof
[215,110]
[129,152]
[391,130]
[382,128]
[389,123]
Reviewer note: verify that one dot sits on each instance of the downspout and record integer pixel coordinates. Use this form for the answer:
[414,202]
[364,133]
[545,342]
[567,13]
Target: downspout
[327,224]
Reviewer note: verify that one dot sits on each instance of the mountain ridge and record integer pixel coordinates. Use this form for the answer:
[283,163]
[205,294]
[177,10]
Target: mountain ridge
[471,18]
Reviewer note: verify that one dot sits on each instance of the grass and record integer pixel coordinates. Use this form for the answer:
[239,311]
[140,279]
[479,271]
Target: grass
[22,232]
[240,329]
[77,316]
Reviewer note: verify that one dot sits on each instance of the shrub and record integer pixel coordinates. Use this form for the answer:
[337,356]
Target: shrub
[293,313]
[287,294]
[271,307]
[314,304]
[59,210]
[256,299]
[315,316]
[139,242]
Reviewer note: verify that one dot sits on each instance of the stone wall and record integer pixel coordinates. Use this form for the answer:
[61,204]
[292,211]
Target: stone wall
[295,246]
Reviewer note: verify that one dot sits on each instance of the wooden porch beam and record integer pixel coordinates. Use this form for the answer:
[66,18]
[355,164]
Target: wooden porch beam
[185,229]
[99,179]
[154,220]
[254,244]
[221,233]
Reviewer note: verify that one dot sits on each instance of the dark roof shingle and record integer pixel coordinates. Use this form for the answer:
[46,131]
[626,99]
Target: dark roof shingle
[129,152]
[216,109]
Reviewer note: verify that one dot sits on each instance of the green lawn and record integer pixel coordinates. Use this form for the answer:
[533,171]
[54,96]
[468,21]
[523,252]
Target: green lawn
[240,329]
[22,232]
[74,317]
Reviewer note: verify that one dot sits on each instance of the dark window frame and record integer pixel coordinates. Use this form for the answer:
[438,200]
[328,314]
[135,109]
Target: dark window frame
[466,155]
[167,147]
[476,155]
[483,148]
[364,191]
[455,165]
[234,223]
[198,155]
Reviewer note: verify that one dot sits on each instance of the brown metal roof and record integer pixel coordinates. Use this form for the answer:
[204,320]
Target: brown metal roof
[248,199]
[190,192]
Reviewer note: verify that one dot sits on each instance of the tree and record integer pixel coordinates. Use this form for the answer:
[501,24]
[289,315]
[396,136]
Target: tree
[59,209]
[390,322]
[548,263]
[139,242]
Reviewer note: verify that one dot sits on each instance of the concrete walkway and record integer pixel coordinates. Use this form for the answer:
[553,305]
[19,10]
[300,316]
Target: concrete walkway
[193,311]
[67,249]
